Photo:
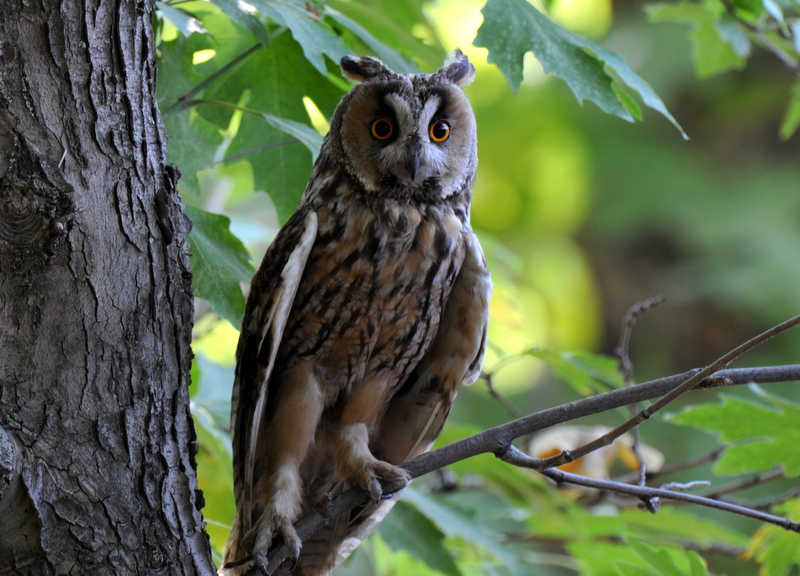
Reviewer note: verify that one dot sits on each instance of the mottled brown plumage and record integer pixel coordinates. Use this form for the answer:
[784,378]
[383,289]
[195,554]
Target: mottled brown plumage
[367,314]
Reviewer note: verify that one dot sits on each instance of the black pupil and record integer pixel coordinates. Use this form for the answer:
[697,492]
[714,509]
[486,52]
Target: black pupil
[383,128]
[439,130]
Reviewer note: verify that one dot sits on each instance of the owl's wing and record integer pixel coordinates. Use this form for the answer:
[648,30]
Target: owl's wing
[271,296]
[416,414]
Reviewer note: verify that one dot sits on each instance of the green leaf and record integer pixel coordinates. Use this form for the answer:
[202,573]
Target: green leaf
[219,263]
[276,80]
[772,430]
[791,120]
[774,9]
[585,372]
[715,47]
[392,21]
[731,32]
[776,549]
[513,27]
[408,529]
[315,39]
[183,21]
[236,12]
[669,561]
[309,137]
[389,56]
[455,523]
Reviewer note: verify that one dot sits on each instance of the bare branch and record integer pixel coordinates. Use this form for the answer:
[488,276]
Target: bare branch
[628,322]
[626,366]
[648,495]
[749,482]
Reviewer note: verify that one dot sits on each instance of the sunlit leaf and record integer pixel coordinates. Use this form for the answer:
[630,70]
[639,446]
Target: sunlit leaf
[219,263]
[183,21]
[309,137]
[237,12]
[513,27]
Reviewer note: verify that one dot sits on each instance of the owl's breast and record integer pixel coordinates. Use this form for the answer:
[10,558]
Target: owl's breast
[373,291]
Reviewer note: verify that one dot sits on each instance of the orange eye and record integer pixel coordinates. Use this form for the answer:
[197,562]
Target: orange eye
[382,128]
[440,131]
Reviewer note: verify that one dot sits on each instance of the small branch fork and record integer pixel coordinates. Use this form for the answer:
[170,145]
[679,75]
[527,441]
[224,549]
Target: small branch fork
[626,366]
[498,440]
[650,497]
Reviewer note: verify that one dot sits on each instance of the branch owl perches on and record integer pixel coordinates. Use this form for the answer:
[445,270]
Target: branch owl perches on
[367,314]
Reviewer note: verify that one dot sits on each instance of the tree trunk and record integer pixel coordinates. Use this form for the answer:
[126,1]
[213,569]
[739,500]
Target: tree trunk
[97,474]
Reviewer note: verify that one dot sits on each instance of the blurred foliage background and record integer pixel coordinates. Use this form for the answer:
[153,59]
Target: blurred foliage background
[581,215]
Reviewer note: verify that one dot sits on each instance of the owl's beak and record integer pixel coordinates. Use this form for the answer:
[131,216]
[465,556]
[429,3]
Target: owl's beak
[412,164]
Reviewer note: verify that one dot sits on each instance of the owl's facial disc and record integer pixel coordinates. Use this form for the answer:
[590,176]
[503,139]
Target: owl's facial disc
[410,136]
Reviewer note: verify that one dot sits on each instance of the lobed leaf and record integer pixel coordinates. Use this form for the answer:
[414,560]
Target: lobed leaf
[315,39]
[772,433]
[513,27]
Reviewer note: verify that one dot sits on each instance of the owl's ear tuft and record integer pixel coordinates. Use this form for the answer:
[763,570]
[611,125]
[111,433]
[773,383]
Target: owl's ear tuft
[458,69]
[364,68]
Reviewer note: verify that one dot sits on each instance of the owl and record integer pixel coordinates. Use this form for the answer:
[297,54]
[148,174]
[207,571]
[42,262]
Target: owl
[368,312]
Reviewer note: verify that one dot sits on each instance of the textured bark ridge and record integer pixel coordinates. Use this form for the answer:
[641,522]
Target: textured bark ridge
[96,465]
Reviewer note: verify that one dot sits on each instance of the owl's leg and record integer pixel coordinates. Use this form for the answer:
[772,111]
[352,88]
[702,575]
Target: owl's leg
[355,462]
[298,408]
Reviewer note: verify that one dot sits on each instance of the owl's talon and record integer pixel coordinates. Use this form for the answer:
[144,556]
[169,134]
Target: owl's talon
[375,491]
[293,545]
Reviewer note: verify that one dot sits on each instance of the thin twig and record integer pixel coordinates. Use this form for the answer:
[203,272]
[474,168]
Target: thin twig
[626,367]
[755,480]
[501,398]
[628,322]
[692,382]
[649,496]
[711,456]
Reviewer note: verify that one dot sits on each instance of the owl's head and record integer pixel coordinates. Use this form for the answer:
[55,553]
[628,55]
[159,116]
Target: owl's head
[408,135]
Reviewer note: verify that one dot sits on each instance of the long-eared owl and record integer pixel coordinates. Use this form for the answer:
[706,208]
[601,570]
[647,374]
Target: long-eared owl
[368,312]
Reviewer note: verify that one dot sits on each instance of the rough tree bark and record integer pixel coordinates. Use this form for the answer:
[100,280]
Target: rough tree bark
[96,466]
